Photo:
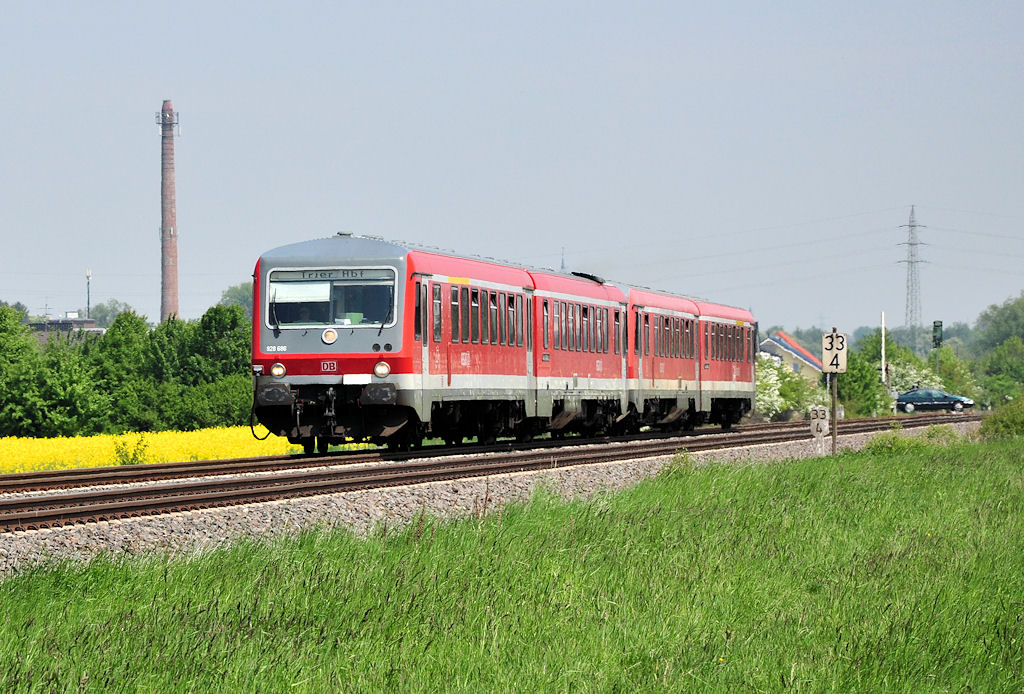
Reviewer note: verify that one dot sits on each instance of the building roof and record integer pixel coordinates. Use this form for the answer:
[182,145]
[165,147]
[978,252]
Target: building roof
[790,345]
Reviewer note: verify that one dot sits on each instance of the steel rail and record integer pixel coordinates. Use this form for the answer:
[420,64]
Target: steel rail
[52,510]
[152,472]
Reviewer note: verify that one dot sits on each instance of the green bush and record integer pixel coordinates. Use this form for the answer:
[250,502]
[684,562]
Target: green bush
[1006,422]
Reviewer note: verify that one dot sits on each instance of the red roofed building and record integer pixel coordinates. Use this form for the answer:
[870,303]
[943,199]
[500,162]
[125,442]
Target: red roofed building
[791,353]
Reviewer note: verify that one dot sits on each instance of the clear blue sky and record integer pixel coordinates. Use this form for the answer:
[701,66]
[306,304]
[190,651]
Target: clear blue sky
[759,154]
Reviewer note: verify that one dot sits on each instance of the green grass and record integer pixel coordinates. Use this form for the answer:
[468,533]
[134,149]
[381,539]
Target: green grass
[889,570]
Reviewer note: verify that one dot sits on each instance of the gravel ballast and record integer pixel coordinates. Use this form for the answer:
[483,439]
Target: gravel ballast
[195,532]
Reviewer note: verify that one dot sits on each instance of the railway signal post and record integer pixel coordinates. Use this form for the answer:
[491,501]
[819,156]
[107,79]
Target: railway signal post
[833,362]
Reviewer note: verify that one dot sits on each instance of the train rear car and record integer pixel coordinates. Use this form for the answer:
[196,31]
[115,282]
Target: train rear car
[728,353]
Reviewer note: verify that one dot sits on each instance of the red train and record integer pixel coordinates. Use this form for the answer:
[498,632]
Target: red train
[358,338]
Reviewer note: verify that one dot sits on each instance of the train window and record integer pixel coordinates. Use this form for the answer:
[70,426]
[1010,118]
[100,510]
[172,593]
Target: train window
[570,326]
[578,323]
[656,344]
[616,320]
[436,289]
[511,312]
[544,323]
[494,317]
[647,333]
[603,312]
[455,314]
[529,322]
[636,332]
[668,338]
[474,316]
[518,313]
[484,312]
[417,330]
[585,323]
[556,325]
[561,326]
[499,309]
[465,314]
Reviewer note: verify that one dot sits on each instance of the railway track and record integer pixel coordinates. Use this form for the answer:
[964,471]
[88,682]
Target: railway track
[70,497]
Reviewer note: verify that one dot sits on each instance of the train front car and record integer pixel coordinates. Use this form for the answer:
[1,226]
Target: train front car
[330,342]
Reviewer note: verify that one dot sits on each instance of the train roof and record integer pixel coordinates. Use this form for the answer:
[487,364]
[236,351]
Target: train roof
[648,298]
[732,313]
[372,248]
[457,266]
[316,251]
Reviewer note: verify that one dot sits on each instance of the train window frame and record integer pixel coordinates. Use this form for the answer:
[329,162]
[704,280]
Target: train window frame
[585,326]
[495,318]
[579,327]
[510,314]
[571,325]
[519,313]
[438,312]
[528,317]
[545,309]
[636,332]
[485,310]
[556,332]
[502,327]
[616,326]
[455,312]
[417,325]
[474,315]
[464,314]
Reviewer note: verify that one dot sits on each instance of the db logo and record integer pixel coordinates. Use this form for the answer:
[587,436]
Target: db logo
[329,366]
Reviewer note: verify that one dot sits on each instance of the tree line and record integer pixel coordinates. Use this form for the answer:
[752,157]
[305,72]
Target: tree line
[179,375]
[985,363]
[194,374]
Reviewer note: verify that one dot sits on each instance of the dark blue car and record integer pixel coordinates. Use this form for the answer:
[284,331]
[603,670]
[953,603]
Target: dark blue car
[931,399]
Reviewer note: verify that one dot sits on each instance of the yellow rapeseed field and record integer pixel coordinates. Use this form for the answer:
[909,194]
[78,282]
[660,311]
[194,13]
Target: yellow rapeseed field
[27,454]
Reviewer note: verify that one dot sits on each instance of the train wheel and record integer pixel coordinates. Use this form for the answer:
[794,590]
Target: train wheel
[309,445]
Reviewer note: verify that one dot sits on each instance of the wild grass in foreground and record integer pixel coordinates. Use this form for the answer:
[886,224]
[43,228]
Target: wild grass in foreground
[892,570]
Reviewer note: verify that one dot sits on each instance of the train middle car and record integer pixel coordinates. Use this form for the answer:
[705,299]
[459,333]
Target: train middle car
[359,338]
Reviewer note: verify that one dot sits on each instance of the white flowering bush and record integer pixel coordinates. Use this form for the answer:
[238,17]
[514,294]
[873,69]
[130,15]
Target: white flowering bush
[767,400]
[904,375]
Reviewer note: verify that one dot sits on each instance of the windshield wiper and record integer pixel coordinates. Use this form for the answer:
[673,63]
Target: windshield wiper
[391,309]
[273,317]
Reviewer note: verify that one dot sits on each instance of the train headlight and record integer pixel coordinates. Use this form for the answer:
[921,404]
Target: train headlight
[329,336]
[278,370]
[381,369]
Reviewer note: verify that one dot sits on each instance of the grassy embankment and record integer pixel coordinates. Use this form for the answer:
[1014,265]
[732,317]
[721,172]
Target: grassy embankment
[900,568]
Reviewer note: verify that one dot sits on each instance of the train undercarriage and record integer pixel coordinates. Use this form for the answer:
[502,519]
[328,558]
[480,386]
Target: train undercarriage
[317,417]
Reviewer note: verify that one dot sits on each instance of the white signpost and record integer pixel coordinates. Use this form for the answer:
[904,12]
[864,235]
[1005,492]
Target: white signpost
[833,352]
[819,428]
[833,362]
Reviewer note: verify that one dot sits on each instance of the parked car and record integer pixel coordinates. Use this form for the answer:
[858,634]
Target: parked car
[931,399]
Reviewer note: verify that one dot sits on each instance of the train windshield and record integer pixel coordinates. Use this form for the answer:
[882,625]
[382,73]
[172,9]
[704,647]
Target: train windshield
[335,297]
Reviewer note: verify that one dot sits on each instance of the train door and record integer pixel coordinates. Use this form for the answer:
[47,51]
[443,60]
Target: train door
[621,339]
[531,350]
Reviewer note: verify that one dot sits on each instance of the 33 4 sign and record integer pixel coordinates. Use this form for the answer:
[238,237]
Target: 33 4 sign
[833,352]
